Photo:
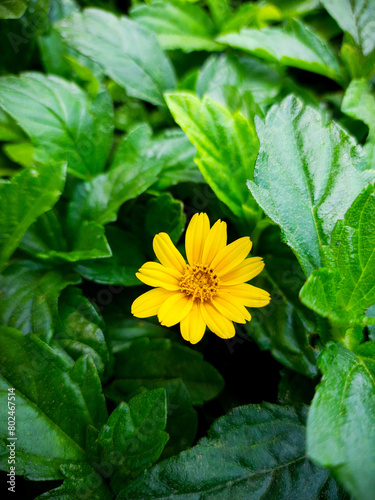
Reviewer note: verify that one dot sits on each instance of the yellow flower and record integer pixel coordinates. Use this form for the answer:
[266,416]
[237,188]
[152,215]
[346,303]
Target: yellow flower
[210,290]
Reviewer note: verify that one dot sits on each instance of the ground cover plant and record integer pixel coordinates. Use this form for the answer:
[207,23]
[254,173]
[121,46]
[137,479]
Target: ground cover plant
[146,149]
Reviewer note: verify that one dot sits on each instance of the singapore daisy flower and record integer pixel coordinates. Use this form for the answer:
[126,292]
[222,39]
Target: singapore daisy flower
[208,291]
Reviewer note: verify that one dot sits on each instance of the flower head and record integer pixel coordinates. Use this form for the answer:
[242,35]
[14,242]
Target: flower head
[210,291]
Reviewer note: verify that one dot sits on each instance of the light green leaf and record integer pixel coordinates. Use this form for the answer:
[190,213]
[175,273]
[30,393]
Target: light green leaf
[359,103]
[61,120]
[357,18]
[127,52]
[134,436]
[81,328]
[80,481]
[29,296]
[119,269]
[172,148]
[46,239]
[177,25]
[226,145]
[149,363]
[254,451]
[340,427]
[23,199]
[12,9]
[20,152]
[306,177]
[49,401]
[346,291]
[131,173]
[244,72]
[294,45]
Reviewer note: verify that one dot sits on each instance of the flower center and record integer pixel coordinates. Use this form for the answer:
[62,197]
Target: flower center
[199,281]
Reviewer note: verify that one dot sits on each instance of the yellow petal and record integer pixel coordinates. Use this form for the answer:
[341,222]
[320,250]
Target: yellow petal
[154,274]
[216,322]
[196,235]
[215,241]
[167,253]
[193,326]
[231,308]
[149,303]
[248,295]
[232,255]
[174,309]
[245,271]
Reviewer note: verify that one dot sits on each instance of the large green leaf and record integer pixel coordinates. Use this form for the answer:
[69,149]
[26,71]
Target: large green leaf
[252,452]
[293,45]
[12,9]
[244,72]
[23,199]
[306,177]
[340,427]
[357,18]
[127,52]
[119,269]
[29,294]
[343,293]
[359,103]
[46,239]
[61,120]
[150,363]
[131,173]
[81,480]
[134,436]
[81,326]
[177,25]
[50,402]
[226,145]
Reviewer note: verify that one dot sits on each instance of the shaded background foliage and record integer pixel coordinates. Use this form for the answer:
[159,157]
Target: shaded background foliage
[121,120]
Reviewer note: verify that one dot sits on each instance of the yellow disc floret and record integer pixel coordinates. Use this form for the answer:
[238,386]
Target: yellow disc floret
[199,281]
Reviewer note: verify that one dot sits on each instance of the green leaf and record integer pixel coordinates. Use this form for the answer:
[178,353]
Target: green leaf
[226,144]
[81,328]
[46,239]
[131,173]
[293,45]
[29,294]
[359,103]
[251,452]
[134,436]
[340,427]
[177,25]
[245,73]
[20,152]
[150,363]
[357,18]
[127,258]
[123,330]
[12,9]
[61,120]
[49,402]
[81,481]
[346,291]
[127,52]
[284,326]
[306,177]
[23,199]
[165,214]
[173,149]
